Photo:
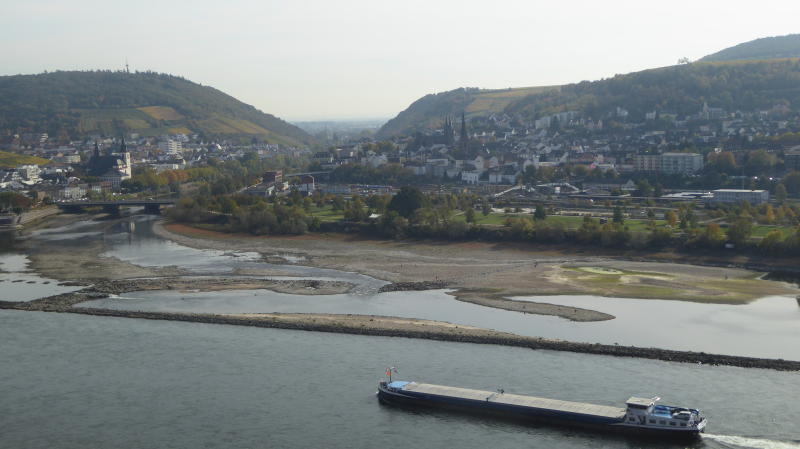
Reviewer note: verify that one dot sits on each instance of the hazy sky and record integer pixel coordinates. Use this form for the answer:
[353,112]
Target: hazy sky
[340,59]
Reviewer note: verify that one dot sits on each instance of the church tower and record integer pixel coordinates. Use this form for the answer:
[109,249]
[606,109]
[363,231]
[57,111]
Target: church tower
[463,139]
[449,133]
[96,149]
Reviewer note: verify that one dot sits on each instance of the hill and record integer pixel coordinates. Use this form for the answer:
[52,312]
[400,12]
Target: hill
[69,105]
[742,85]
[12,160]
[778,47]
[427,113]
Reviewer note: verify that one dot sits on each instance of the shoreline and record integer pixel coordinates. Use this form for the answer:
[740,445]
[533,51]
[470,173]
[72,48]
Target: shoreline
[471,268]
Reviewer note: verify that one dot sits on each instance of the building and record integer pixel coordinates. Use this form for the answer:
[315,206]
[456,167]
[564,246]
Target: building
[444,137]
[471,177]
[262,190]
[66,158]
[712,113]
[609,184]
[753,197]
[336,190]
[683,163]
[171,147]
[100,165]
[29,172]
[792,158]
[307,184]
[463,138]
[272,176]
[115,177]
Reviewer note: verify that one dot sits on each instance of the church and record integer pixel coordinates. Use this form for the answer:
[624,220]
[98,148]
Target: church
[446,138]
[114,168]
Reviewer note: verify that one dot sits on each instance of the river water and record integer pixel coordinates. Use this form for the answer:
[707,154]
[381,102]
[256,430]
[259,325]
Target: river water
[87,381]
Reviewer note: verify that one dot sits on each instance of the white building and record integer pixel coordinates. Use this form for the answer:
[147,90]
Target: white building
[307,184]
[170,147]
[684,163]
[471,177]
[336,190]
[29,172]
[737,196]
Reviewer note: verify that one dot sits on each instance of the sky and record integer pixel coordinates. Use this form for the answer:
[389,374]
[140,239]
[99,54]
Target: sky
[353,59]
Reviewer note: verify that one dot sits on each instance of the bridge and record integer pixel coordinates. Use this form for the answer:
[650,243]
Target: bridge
[151,206]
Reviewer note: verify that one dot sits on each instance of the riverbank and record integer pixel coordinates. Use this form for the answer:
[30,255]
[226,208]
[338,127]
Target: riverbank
[508,270]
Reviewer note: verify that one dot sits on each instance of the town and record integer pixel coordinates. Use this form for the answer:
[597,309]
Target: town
[713,155]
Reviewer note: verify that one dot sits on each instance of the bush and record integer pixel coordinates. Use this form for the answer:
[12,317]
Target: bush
[455,228]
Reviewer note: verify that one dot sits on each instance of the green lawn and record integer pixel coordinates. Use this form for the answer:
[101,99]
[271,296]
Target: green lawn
[327,213]
[762,231]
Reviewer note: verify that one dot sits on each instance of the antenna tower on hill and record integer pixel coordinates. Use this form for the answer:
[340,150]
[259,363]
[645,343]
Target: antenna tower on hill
[126,66]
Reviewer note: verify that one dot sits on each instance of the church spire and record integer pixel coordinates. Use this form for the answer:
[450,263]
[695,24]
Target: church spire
[96,149]
[463,141]
[123,148]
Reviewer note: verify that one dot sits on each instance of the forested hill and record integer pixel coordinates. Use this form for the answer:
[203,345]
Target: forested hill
[778,47]
[68,105]
[743,85]
[427,113]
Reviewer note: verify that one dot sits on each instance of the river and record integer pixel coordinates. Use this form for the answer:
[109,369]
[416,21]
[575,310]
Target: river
[88,381]
[85,381]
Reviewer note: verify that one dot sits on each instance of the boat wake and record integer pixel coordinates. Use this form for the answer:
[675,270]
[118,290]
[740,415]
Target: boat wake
[755,443]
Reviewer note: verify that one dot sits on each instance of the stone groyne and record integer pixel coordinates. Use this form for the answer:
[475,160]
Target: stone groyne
[364,325]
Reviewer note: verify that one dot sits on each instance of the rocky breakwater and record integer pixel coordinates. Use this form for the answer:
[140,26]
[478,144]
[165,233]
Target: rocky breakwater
[383,327]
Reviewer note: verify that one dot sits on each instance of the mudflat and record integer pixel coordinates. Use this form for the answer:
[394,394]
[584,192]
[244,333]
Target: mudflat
[495,271]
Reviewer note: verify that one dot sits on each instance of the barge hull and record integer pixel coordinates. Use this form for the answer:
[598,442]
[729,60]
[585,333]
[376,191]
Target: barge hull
[485,407]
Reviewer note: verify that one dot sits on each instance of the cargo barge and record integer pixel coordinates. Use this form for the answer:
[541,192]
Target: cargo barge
[641,416]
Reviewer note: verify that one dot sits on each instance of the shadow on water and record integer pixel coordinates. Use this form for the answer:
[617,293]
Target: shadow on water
[783,276]
[7,240]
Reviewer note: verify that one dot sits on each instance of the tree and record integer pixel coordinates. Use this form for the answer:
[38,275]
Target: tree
[769,217]
[470,214]
[724,162]
[408,200]
[555,126]
[228,206]
[771,241]
[758,161]
[740,231]
[485,208]
[644,189]
[659,191]
[714,234]
[780,193]
[618,218]
[672,219]
[539,214]
[607,203]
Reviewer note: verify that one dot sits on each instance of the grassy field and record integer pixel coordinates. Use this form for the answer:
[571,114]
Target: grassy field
[12,160]
[162,113]
[102,119]
[496,100]
[180,130]
[761,230]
